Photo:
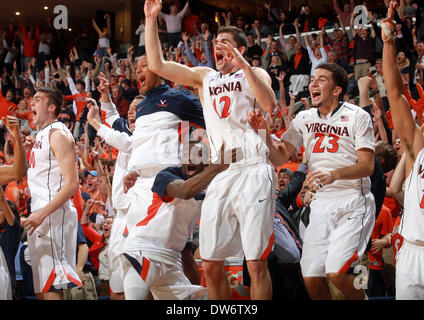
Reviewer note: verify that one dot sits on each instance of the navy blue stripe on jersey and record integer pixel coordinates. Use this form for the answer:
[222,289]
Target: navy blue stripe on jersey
[121,125]
[163,98]
[167,176]
[136,265]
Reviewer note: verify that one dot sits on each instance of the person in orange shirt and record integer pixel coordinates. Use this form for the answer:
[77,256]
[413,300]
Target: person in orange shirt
[7,106]
[25,114]
[383,226]
[18,192]
[79,98]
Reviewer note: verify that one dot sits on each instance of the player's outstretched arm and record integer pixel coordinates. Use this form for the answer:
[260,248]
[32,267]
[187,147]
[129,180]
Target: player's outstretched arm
[167,69]
[403,122]
[19,168]
[187,189]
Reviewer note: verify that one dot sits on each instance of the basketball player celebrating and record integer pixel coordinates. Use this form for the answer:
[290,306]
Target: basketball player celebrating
[410,259]
[241,222]
[339,144]
[52,180]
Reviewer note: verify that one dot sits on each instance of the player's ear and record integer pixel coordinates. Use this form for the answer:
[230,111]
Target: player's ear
[242,50]
[337,91]
[51,108]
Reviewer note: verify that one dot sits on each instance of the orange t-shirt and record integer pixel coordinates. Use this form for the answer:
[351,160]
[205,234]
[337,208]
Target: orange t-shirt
[80,102]
[383,225]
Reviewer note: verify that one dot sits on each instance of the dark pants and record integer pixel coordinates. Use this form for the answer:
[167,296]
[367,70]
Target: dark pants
[174,39]
[287,281]
[376,286]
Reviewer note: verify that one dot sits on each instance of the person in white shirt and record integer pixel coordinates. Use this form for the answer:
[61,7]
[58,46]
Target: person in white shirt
[140,32]
[173,22]
[318,54]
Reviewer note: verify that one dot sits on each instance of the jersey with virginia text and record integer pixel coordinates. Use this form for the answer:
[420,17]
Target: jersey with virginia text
[44,176]
[412,222]
[331,142]
[227,100]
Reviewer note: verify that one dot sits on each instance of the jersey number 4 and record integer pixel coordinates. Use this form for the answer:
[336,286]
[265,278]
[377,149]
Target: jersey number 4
[332,140]
[225,110]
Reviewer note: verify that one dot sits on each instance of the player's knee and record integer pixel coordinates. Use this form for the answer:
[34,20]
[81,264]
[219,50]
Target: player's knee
[338,279]
[257,269]
[213,270]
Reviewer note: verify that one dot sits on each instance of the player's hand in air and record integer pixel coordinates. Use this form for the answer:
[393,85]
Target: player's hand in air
[387,25]
[152,8]
[12,125]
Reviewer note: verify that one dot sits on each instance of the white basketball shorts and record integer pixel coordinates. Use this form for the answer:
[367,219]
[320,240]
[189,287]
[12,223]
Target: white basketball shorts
[52,248]
[409,272]
[238,213]
[338,233]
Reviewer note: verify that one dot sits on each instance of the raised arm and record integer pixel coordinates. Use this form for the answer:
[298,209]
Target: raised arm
[397,180]
[19,168]
[169,70]
[187,189]
[96,27]
[403,123]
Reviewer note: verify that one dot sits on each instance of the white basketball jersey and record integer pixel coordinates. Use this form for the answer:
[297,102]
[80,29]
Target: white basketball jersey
[44,176]
[165,228]
[331,142]
[412,221]
[227,100]
[159,132]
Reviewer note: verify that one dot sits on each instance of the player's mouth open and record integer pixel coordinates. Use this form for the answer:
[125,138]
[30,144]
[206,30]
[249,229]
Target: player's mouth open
[219,56]
[191,169]
[316,94]
[142,81]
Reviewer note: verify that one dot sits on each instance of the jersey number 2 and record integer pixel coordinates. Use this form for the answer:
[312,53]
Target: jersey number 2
[225,111]
[332,140]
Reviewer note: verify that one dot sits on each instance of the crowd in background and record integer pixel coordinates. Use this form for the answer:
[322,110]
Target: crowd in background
[288,42]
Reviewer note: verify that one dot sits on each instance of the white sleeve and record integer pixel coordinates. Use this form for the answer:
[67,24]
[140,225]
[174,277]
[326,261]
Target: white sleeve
[116,139]
[72,86]
[363,131]
[111,113]
[87,83]
[293,135]
[46,75]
